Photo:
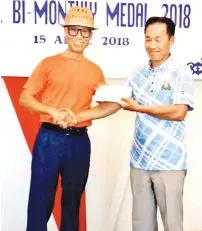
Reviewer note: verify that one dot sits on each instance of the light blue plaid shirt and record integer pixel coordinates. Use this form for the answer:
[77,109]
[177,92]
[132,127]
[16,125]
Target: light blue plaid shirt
[159,144]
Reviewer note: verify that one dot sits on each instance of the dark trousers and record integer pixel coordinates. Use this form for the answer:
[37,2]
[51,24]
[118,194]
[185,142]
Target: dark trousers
[57,153]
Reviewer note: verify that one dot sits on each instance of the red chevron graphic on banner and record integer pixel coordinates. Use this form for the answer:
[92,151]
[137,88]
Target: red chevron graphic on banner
[30,124]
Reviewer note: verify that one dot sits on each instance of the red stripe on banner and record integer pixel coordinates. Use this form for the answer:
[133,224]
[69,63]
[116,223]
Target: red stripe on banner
[30,124]
[29,121]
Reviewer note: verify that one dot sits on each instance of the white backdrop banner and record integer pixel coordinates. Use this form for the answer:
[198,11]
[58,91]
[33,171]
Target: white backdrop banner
[31,32]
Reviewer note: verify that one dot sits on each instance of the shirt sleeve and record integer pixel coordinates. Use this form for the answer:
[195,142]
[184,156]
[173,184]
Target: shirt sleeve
[101,81]
[38,79]
[127,82]
[184,91]
[130,81]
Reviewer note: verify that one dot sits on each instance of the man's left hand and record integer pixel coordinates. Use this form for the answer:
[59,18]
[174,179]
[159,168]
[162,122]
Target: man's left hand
[129,104]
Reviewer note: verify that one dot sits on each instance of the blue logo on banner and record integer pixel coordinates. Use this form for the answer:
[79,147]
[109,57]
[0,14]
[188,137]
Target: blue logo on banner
[196,68]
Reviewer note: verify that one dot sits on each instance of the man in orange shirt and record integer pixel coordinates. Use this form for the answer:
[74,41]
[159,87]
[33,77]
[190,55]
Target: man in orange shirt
[66,80]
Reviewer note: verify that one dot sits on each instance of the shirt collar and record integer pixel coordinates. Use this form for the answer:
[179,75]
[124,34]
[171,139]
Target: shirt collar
[162,67]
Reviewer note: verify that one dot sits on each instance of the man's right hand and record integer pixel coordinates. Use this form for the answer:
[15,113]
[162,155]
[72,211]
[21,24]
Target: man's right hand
[63,117]
[70,119]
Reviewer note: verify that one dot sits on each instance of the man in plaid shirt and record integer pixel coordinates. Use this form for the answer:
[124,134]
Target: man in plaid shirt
[162,94]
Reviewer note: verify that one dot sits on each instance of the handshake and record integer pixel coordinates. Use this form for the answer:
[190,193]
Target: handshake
[64,117]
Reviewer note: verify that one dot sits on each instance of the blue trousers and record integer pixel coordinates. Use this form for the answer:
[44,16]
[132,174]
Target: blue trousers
[55,154]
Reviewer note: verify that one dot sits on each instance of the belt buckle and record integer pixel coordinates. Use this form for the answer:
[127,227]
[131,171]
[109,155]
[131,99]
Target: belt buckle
[71,131]
[67,130]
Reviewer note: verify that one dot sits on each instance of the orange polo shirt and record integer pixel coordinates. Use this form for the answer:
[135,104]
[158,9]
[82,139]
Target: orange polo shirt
[65,83]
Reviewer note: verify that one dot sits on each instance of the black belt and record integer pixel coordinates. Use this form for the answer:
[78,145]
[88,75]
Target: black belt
[72,131]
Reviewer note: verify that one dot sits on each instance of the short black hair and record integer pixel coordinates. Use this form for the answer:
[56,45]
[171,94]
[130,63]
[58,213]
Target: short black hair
[169,22]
